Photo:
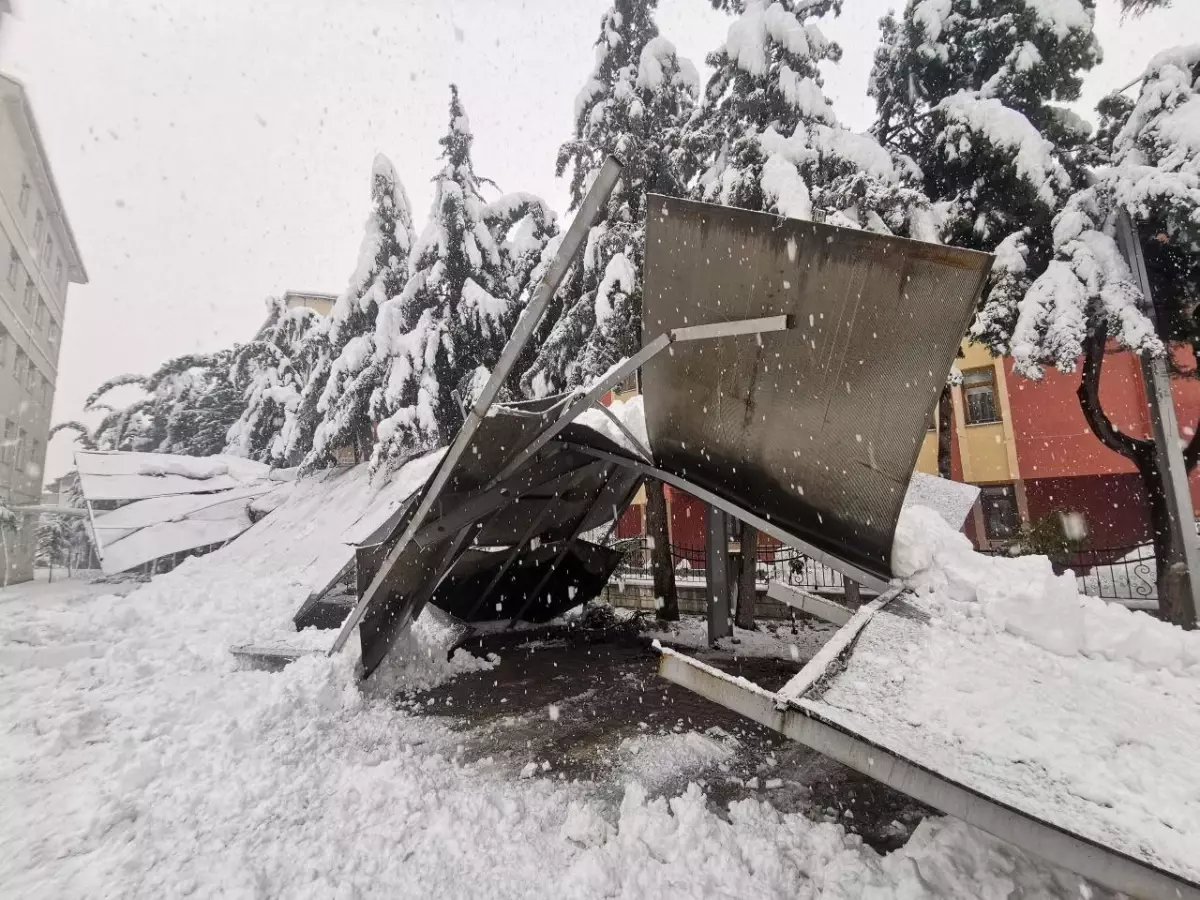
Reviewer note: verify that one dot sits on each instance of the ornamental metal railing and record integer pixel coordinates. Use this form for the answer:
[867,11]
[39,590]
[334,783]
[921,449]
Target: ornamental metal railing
[774,563]
[1120,573]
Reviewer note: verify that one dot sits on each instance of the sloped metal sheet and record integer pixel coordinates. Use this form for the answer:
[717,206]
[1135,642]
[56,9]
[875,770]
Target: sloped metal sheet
[816,428]
[562,490]
[582,575]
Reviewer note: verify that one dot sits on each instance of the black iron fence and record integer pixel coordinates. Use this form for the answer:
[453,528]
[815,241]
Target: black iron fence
[775,563]
[1123,573]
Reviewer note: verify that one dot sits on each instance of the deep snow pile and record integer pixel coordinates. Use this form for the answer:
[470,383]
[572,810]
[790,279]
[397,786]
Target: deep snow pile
[155,767]
[998,675]
[1024,597]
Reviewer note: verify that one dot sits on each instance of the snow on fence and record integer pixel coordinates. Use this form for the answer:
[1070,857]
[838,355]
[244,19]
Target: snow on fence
[1125,574]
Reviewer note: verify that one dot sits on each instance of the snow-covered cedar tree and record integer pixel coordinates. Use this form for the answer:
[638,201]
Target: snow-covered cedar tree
[193,404]
[186,406]
[265,373]
[1137,7]
[1087,296]
[334,408]
[973,94]
[440,337]
[767,137]
[120,427]
[636,98]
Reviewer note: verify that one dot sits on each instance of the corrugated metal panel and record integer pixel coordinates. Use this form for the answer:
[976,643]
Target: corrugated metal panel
[816,428]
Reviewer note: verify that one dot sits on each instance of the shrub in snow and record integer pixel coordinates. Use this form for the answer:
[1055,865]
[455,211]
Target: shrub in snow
[631,106]
[455,312]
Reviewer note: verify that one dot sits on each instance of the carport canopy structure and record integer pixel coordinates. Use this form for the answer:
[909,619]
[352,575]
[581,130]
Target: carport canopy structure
[788,370]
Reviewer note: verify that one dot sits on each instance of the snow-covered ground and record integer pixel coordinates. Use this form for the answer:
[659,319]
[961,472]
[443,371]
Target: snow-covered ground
[153,766]
[774,640]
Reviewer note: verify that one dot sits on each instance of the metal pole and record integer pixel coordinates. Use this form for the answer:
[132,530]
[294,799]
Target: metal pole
[716,569]
[571,244]
[1171,467]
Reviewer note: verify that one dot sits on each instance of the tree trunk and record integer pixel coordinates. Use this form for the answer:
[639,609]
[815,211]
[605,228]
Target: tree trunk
[661,563]
[945,425]
[1143,454]
[747,577]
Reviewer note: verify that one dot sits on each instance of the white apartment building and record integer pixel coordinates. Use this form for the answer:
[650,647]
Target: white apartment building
[38,260]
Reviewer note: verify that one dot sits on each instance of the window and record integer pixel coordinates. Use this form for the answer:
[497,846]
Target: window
[39,317]
[39,226]
[53,332]
[14,267]
[58,271]
[3,347]
[21,437]
[979,388]
[35,454]
[19,364]
[627,384]
[30,294]
[31,377]
[47,250]
[999,504]
[6,450]
[23,200]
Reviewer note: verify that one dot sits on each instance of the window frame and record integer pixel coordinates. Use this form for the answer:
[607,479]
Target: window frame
[26,190]
[989,495]
[39,227]
[14,267]
[990,384]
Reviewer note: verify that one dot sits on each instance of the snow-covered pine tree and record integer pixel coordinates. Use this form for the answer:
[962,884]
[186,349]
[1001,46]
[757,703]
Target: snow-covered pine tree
[767,138]
[633,104]
[971,94]
[334,408]
[443,333]
[1087,295]
[267,377]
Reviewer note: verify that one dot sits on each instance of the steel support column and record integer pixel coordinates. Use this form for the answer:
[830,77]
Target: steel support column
[716,570]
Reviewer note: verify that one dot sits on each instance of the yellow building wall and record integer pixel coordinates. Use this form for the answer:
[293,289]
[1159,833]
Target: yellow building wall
[987,452]
[927,458]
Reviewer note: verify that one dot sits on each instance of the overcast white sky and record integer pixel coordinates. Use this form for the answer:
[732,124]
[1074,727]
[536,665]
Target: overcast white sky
[213,153]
